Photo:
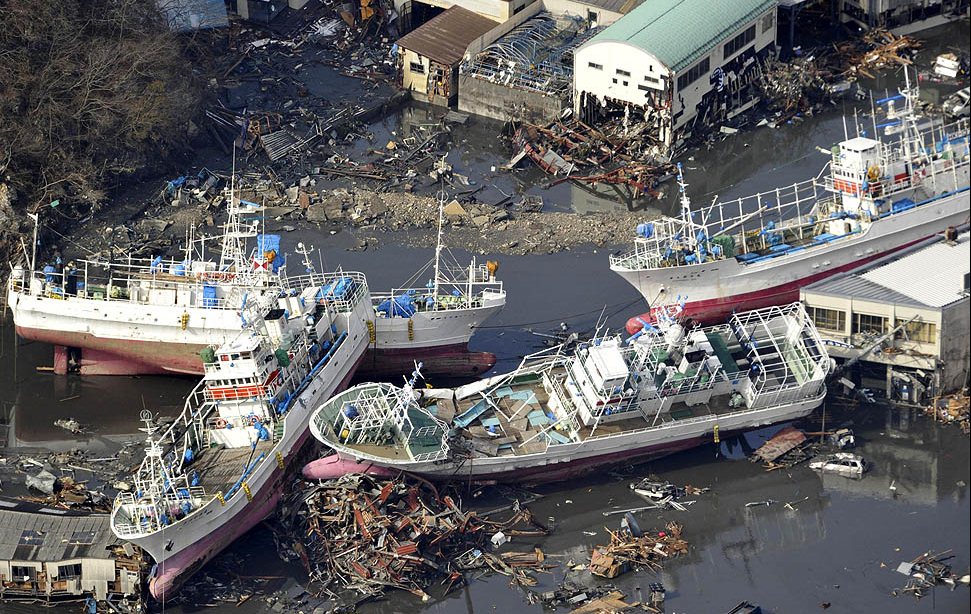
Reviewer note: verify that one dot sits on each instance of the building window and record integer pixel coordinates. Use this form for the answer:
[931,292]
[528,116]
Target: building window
[865,323]
[595,66]
[694,73]
[22,573]
[30,537]
[643,88]
[591,16]
[614,80]
[828,319]
[768,21]
[623,73]
[625,84]
[82,538]
[651,79]
[69,571]
[417,68]
[736,44]
[921,332]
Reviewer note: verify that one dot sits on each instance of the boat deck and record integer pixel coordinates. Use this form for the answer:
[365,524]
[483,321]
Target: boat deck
[220,468]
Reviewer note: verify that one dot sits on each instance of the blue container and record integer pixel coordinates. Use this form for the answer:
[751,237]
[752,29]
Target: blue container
[208,295]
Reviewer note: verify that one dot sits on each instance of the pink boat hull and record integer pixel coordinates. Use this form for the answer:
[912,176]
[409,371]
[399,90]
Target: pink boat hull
[713,311]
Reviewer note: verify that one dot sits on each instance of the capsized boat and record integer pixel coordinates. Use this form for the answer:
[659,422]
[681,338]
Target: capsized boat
[667,388]
[873,197]
[218,469]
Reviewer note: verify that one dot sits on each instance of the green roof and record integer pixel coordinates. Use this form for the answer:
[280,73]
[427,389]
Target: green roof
[678,32]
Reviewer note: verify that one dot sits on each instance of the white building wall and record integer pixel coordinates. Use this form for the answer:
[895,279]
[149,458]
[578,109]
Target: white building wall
[619,71]
[686,101]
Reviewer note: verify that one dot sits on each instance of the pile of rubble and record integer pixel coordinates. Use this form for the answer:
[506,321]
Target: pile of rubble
[630,547]
[954,408]
[877,49]
[622,153]
[364,535]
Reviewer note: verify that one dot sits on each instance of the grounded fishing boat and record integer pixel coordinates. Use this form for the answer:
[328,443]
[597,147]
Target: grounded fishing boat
[434,323]
[877,197]
[218,469]
[665,389]
[155,315]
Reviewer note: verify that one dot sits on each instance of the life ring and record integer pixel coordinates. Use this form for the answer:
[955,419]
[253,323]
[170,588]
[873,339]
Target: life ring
[220,423]
[254,420]
[873,173]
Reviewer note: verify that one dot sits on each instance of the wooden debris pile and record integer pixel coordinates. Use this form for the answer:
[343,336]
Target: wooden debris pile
[952,409]
[927,571]
[877,49]
[365,535]
[621,153]
[626,550]
[795,85]
[787,448]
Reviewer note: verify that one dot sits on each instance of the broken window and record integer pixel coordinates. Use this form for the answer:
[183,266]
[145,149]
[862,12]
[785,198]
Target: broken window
[416,67]
[922,332]
[69,571]
[22,573]
[865,323]
[30,537]
[81,538]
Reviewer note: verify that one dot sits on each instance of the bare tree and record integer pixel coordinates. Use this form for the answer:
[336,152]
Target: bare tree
[91,91]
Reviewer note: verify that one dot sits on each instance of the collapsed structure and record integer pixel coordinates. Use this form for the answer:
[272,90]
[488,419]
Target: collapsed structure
[676,64]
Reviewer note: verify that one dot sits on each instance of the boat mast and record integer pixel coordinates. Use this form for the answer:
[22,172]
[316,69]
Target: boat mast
[686,213]
[33,247]
[440,167]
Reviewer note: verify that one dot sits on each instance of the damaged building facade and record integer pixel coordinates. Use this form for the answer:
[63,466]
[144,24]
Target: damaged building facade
[905,318]
[429,56]
[677,64]
[57,555]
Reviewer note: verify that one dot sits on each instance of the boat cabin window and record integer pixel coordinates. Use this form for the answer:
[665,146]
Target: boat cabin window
[245,355]
[224,357]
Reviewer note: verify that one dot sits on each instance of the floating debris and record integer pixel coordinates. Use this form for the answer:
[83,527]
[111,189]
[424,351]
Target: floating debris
[927,571]
[625,550]
[367,535]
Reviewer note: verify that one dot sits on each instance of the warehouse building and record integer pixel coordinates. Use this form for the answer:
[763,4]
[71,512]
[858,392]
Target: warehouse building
[676,64]
[913,309]
[58,555]
[430,55]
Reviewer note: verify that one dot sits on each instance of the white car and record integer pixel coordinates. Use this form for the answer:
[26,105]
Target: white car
[959,104]
[842,463]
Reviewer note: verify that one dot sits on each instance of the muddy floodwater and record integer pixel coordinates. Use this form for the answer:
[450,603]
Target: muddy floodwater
[823,540]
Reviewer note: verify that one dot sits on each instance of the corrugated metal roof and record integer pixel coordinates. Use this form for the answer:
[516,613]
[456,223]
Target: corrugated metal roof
[33,536]
[447,35]
[932,276]
[678,32]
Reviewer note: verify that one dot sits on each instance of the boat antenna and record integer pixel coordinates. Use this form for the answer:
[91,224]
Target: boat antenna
[305,252]
[440,167]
